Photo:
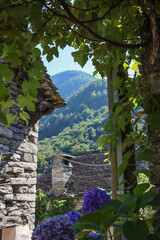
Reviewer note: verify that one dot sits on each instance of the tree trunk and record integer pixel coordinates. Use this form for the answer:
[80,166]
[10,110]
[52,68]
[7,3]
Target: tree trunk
[131,180]
[114,166]
[151,76]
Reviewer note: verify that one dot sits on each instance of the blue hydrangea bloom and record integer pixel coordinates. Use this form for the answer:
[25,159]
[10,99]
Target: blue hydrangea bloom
[93,200]
[56,228]
[94,236]
[74,215]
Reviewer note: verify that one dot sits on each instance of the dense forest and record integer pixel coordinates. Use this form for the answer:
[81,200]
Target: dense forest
[76,127]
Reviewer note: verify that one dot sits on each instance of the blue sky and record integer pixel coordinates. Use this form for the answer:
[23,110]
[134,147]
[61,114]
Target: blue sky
[66,62]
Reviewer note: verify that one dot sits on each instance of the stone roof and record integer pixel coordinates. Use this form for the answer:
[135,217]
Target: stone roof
[84,177]
[48,97]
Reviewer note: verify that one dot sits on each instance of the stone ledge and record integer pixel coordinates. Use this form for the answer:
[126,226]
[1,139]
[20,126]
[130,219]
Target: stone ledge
[26,166]
[22,212]
[20,197]
[22,181]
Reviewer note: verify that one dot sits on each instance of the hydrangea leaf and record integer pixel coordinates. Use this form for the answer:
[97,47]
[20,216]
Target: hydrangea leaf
[124,163]
[146,155]
[112,204]
[141,188]
[135,230]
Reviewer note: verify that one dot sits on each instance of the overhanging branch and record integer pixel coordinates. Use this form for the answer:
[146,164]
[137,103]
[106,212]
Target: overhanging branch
[73,19]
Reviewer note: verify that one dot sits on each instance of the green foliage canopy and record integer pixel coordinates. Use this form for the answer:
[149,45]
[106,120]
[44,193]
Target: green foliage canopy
[100,30]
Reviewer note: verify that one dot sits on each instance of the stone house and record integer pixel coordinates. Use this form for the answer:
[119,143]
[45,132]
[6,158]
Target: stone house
[18,162]
[75,175]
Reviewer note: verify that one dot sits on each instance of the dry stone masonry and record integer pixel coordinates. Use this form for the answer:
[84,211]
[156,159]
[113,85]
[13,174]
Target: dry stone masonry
[18,160]
[18,175]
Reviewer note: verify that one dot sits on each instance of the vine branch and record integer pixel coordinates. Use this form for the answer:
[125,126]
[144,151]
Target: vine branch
[15,5]
[73,19]
[105,14]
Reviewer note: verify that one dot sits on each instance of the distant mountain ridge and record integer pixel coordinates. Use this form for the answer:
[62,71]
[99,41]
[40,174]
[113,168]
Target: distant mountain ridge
[68,82]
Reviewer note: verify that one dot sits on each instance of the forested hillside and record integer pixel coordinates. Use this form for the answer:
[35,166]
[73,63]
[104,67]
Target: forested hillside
[82,106]
[68,82]
[76,127]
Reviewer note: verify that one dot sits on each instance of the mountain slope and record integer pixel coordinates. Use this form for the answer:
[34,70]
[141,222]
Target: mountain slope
[76,127]
[68,82]
[79,108]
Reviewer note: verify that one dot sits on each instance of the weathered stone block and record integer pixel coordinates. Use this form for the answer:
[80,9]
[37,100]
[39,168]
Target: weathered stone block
[6,148]
[23,232]
[22,211]
[35,127]
[25,205]
[29,166]
[6,189]
[28,175]
[6,132]
[28,147]
[22,181]
[32,204]
[27,157]
[3,212]
[1,146]
[26,166]
[20,197]
[33,134]
[19,136]
[16,157]
[10,209]
[21,189]
[33,139]
[31,220]
[2,205]
[15,170]
[3,140]
[14,144]
[25,189]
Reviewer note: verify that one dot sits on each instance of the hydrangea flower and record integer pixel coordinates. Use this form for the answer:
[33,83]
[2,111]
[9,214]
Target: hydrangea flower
[56,228]
[93,200]
[94,236]
[74,215]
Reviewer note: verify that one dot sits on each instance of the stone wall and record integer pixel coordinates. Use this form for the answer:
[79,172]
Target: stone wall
[18,149]
[18,158]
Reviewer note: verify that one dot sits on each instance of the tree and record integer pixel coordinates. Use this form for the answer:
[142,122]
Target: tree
[109,32]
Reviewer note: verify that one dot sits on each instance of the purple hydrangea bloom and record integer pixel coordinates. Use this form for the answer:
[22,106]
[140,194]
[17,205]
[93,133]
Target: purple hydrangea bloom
[74,215]
[94,235]
[93,200]
[57,228]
